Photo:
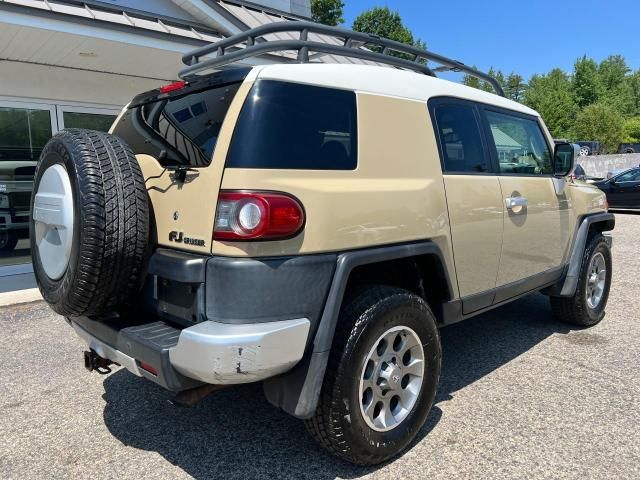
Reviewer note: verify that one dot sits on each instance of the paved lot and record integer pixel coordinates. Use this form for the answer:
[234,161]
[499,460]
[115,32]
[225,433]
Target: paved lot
[521,396]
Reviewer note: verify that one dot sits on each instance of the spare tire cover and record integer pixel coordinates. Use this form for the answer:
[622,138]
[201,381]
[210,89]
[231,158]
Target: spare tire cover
[89,223]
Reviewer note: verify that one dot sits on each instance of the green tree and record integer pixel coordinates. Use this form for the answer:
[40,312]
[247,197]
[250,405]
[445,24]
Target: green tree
[585,81]
[515,87]
[612,72]
[328,12]
[633,84]
[551,95]
[631,130]
[616,91]
[498,75]
[602,123]
[471,81]
[384,23]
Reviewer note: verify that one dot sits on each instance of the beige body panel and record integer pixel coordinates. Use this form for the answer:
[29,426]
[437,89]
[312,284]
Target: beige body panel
[476,215]
[535,238]
[190,208]
[395,195]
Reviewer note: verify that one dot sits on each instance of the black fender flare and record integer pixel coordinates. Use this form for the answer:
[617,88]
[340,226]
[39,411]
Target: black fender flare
[297,391]
[603,222]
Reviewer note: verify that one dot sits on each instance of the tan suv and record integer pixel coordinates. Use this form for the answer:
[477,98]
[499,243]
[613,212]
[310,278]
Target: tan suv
[312,226]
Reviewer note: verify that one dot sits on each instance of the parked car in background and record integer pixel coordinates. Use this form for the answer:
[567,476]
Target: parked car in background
[16,182]
[590,148]
[629,148]
[622,189]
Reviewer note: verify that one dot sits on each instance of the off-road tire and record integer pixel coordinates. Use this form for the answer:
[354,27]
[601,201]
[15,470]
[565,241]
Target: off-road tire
[338,423]
[575,310]
[110,226]
[8,241]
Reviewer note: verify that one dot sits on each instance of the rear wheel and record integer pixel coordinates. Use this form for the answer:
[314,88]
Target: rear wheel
[584,151]
[8,241]
[382,377]
[89,228]
[587,306]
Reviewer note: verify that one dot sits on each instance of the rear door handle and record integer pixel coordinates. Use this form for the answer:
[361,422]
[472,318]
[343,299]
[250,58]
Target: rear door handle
[516,204]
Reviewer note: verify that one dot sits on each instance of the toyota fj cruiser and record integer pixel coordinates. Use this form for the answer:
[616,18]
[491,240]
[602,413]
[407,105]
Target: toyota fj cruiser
[312,226]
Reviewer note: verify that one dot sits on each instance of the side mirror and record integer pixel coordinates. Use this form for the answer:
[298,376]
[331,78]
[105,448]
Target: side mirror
[564,158]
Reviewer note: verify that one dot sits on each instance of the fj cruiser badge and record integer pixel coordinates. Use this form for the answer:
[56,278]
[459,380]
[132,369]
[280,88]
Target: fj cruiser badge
[179,237]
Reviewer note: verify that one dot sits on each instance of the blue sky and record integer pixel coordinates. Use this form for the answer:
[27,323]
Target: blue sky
[527,37]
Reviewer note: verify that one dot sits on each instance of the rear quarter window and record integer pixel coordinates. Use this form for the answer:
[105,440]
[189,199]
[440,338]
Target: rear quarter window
[291,126]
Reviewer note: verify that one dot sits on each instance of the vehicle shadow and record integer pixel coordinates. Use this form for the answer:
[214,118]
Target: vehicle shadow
[235,433]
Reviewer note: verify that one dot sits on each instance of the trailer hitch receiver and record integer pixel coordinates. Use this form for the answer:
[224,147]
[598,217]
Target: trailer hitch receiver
[93,361]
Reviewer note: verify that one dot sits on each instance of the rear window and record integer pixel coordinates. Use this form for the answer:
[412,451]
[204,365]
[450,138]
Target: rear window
[291,126]
[178,131]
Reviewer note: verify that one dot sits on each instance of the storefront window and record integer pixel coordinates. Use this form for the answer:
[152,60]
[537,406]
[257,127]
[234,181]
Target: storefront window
[92,121]
[23,133]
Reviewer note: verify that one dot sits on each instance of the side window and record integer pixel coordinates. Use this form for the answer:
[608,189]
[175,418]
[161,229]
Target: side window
[632,176]
[293,126]
[460,139]
[520,144]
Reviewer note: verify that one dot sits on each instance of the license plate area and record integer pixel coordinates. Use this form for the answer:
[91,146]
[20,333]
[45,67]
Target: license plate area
[177,301]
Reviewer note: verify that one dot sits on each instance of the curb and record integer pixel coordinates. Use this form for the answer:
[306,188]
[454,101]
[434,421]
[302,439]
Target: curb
[20,296]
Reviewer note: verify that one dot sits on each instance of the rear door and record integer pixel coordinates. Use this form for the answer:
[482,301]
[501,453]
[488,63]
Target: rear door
[180,139]
[537,223]
[474,200]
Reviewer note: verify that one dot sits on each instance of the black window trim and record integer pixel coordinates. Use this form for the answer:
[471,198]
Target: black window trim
[486,135]
[435,102]
[493,151]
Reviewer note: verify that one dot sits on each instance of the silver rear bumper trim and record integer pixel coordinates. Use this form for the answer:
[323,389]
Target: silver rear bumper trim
[222,353]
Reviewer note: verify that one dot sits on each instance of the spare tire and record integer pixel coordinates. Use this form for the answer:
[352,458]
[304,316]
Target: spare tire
[89,225]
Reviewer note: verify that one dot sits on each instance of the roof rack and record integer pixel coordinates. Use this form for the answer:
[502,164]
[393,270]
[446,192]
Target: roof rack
[251,43]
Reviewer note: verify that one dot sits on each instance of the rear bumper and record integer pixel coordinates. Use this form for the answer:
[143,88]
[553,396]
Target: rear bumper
[229,354]
[208,352]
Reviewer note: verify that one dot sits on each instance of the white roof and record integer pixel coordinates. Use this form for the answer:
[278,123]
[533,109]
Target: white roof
[382,81]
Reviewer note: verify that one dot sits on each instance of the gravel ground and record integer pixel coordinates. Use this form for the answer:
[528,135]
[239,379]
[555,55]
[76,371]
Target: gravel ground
[521,396]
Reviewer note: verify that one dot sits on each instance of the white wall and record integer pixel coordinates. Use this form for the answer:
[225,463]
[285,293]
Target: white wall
[57,83]
[600,165]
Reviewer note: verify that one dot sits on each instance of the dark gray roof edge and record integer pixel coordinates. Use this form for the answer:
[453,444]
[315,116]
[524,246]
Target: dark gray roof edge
[272,11]
[171,21]
[226,14]
[91,21]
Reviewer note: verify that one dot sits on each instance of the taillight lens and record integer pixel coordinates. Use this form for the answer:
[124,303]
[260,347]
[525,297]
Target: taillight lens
[256,216]
[180,84]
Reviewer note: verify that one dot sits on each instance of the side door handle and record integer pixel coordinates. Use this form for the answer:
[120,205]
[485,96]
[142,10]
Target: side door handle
[516,204]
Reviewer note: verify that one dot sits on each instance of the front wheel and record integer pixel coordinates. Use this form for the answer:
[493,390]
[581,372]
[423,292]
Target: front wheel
[586,307]
[382,377]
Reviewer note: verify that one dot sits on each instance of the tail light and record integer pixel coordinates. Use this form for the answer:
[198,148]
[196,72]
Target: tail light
[257,216]
[179,85]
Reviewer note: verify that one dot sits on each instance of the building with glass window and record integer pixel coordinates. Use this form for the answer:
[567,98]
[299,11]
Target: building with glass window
[74,63]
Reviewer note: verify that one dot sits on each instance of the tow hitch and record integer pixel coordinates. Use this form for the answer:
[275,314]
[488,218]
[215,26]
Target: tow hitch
[93,361]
